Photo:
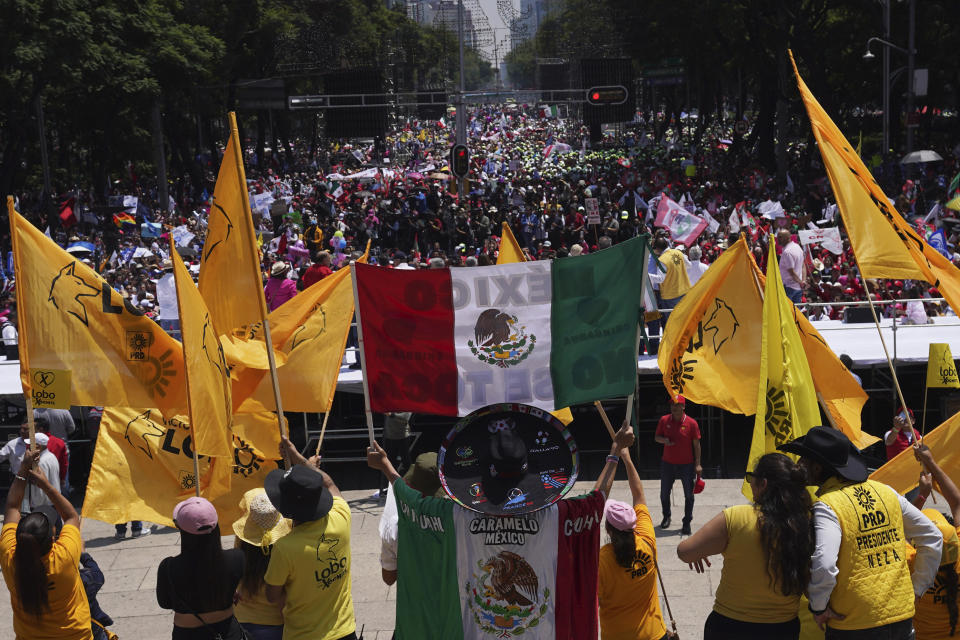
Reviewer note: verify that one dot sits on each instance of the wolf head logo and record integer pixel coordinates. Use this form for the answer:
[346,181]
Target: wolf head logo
[67,289]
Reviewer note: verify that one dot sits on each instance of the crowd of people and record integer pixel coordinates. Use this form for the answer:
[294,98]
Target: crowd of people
[317,206]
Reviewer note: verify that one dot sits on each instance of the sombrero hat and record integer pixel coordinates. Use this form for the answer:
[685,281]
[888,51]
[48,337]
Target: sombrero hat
[507,459]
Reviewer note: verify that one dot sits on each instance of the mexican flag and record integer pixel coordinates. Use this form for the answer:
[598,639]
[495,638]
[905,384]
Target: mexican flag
[465,575]
[546,333]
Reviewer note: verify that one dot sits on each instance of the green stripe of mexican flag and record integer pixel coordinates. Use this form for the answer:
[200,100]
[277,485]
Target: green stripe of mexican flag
[547,333]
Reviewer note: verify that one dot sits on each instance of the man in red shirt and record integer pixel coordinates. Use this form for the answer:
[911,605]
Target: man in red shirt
[318,270]
[680,436]
[902,435]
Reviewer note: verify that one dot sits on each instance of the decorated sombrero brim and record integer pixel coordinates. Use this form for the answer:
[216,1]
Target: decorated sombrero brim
[552,461]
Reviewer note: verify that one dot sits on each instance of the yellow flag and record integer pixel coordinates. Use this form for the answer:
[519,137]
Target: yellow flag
[230,278]
[70,319]
[902,472]
[311,331]
[884,244]
[710,346]
[941,370]
[143,466]
[786,403]
[509,248]
[309,335]
[510,253]
[207,374]
[708,356]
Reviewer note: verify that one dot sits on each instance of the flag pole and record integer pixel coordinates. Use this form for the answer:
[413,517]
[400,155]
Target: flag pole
[323,430]
[21,326]
[362,352]
[257,275]
[186,375]
[606,420]
[923,422]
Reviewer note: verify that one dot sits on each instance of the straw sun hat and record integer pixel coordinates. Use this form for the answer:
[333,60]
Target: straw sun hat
[261,524]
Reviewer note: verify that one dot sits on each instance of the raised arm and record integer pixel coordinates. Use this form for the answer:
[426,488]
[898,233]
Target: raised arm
[621,440]
[633,478]
[378,459]
[947,486]
[66,511]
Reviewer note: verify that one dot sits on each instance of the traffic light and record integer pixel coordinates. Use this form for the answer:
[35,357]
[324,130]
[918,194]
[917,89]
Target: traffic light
[609,95]
[460,160]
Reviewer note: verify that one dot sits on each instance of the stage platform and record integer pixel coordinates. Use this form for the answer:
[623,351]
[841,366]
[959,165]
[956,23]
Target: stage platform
[908,344]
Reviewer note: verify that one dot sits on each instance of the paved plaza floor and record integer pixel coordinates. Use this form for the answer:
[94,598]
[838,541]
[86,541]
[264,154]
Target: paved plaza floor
[130,567]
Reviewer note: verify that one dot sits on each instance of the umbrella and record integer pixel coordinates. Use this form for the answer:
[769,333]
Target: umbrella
[918,157]
[80,247]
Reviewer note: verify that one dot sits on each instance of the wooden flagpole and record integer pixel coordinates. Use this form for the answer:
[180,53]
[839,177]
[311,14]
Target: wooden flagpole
[22,342]
[186,375]
[323,430]
[362,352]
[257,275]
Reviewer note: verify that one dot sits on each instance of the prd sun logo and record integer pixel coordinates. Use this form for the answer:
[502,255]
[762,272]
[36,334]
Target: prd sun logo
[777,417]
[500,339]
[864,498]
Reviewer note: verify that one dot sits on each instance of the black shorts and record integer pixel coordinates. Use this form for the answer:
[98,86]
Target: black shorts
[720,627]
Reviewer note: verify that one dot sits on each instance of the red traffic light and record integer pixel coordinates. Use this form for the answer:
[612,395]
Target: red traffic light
[609,95]
[460,160]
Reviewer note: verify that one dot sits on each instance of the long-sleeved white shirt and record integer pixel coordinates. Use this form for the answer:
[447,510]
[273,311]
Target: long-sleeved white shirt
[919,530]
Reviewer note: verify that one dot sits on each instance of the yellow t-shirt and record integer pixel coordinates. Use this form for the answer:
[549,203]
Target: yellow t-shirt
[745,592]
[629,606]
[313,563]
[676,282]
[932,619]
[69,615]
[256,609]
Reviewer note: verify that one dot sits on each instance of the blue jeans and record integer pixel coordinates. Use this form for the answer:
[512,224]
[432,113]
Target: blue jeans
[794,294]
[263,631]
[670,472]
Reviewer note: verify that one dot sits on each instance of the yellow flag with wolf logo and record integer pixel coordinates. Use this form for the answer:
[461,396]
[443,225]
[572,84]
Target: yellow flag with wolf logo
[143,466]
[72,320]
[786,402]
[309,334]
[208,376]
[709,353]
[230,278]
[708,357]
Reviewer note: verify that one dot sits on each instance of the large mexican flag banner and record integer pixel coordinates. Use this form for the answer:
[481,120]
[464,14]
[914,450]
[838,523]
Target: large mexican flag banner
[548,333]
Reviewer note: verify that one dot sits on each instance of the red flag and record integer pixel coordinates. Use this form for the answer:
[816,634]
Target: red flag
[67,216]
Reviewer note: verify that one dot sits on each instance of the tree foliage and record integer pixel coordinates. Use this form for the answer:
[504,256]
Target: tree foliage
[98,67]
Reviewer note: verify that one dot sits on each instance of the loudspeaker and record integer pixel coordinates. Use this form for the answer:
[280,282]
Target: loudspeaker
[855,315]
[360,122]
[601,72]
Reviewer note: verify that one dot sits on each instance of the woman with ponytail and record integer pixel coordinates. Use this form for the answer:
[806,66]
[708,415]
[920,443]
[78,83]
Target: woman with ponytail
[46,593]
[629,605]
[937,609]
[766,548]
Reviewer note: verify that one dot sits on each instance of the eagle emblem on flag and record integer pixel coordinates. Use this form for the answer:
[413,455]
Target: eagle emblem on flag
[500,339]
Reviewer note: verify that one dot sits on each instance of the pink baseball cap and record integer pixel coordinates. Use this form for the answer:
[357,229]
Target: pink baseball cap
[620,515]
[195,515]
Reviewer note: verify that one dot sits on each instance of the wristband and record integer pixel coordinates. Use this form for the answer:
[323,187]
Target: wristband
[614,459]
[922,498]
[814,611]
[19,477]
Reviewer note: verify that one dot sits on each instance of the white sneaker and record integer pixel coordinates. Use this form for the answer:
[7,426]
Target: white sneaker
[143,532]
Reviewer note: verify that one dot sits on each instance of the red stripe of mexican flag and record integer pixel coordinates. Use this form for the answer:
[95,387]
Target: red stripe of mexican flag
[550,333]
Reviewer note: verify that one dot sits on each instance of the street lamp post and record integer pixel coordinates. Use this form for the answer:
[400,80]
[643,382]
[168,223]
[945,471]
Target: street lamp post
[910,52]
[461,107]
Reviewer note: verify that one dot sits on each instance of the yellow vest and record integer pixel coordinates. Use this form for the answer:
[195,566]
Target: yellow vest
[873,584]
[745,592]
[676,282]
